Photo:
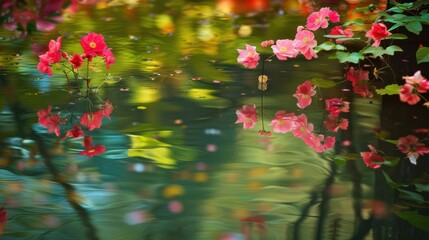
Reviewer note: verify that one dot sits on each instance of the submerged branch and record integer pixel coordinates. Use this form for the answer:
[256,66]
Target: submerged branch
[69,189]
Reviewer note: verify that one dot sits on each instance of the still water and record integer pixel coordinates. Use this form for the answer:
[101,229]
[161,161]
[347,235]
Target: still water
[175,166]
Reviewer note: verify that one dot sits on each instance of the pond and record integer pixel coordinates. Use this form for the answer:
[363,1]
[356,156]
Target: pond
[175,164]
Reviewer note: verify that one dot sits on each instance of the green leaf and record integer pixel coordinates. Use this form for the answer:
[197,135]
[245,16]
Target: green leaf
[357,22]
[399,8]
[390,50]
[379,51]
[415,219]
[413,196]
[353,57]
[391,89]
[390,182]
[374,51]
[328,46]
[422,187]
[323,83]
[397,36]
[365,10]
[399,24]
[414,27]
[422,55]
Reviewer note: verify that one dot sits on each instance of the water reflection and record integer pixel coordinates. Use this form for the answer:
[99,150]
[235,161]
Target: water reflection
[176,166]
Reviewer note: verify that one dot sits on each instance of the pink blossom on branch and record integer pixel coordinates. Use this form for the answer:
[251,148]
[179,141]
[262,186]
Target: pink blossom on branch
[284,49]
[248,57]
[377,33]
[303,94]
[320,19]
[305,43]
[247,115]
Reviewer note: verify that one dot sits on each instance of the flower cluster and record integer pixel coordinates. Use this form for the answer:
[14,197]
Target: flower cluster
[414,87]
[69,128]
[93,46]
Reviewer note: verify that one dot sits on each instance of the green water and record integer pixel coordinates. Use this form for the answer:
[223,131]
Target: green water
[176,166]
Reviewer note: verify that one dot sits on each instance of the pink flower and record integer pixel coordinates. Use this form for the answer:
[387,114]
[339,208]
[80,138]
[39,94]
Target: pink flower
[408,94]
[319,143]
[305,43]
[54,52]
[283,122]
[247,115]
[377,33]
[76,61]
[91,150]
[320,19]
[372,158]
[333,123]
[93,44]
[92,120]
[359,79]
[109,58]
[303,93]
[248,57]
[420,83]
[284,49]
[43,65]
[336,105]
[303,129]
[411,146]
[316,20]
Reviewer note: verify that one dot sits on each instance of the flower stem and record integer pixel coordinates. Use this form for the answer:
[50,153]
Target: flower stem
[68,80]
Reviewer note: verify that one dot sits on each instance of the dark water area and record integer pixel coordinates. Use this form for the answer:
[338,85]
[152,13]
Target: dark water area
[176,166]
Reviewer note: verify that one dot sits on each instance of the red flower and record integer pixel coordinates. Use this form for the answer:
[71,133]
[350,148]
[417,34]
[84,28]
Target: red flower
[109,58]
[91,150]
[52,124]
[76,60]
[75,132]
[336,105]
[107,109]
[43,115]
[43,65]
[303,94]
[54,52]
[411,146]
[92,120]
[333,123]
[371,158]
[3,219]
[93,44]
[377,33]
